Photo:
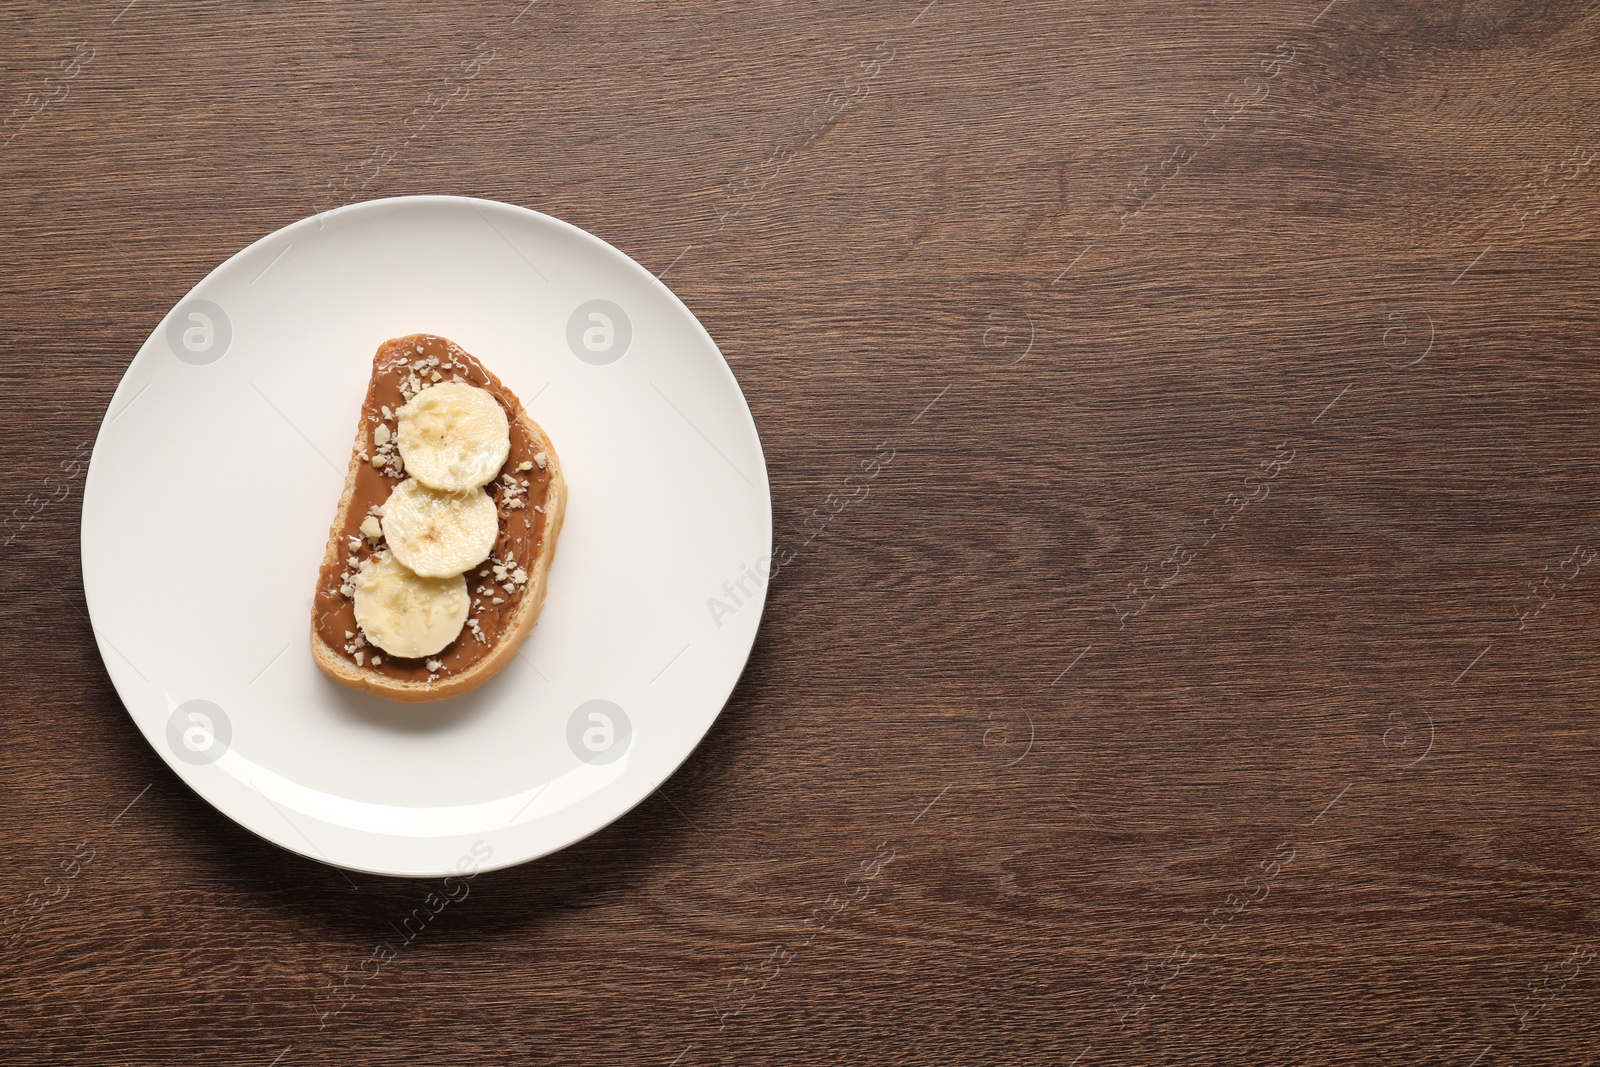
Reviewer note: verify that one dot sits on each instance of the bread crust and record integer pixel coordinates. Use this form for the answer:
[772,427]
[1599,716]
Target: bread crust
[348,674]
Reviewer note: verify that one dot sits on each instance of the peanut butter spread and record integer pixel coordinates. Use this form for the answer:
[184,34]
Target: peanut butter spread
[402,368]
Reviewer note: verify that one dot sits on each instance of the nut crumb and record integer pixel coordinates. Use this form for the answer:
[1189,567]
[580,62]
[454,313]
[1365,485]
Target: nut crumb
[371,528]
[376,660]
[542,460]
[434,664]
[361,656]
[525,465]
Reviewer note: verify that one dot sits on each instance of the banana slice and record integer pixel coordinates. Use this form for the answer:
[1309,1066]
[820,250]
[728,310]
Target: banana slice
[453,436]
[439,535]
[406,615]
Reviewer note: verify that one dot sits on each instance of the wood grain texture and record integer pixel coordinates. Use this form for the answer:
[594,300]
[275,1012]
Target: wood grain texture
[1206,678]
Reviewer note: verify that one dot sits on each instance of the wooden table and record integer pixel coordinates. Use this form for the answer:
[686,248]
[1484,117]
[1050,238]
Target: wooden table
[1205,678]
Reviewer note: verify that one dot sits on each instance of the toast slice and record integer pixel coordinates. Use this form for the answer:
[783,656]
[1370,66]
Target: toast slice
[506,591]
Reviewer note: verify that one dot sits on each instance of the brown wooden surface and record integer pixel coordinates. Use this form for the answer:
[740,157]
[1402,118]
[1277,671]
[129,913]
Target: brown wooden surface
[1317,788]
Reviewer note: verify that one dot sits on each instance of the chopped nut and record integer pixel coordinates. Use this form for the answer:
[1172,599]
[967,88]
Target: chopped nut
[434,664]
[498,600]
[520,576]
[352,561]
[376,659]
[525,465]
[378,461]
[347,590]
[500,571]
[386,412]
[380,434]
[347,633]
[542,460]
[435,376]
[361,656]
[371,528]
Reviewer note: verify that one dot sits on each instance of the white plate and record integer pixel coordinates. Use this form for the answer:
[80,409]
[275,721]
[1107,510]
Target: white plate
[219,466]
